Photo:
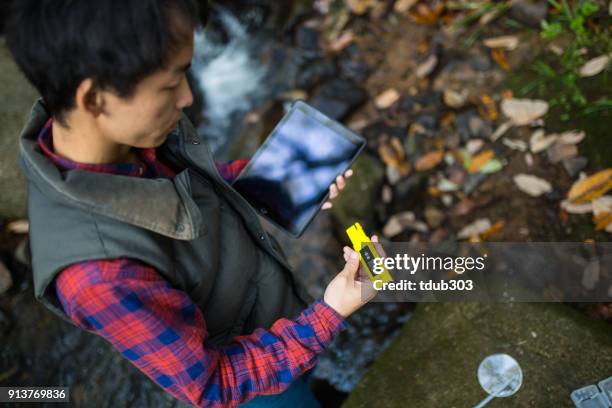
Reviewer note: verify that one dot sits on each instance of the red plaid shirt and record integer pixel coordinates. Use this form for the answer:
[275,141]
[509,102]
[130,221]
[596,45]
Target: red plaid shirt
[162,332]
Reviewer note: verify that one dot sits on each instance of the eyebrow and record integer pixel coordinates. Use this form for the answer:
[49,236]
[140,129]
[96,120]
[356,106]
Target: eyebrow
[182,68]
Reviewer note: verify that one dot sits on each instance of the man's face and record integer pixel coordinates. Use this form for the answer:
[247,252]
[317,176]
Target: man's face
[145,119]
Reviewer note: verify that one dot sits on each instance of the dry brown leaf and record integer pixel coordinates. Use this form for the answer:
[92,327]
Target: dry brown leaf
[343,41]
[590,188]
[540,142]
[474,229]
[594,66]
[392,154]
[571,137]
[423,14]
[479,160]
[499,56]
[454,99]
[602,221]
[494,230]
[360,7]
[488,109]
[402,6]
[507,42]
[387,98]
[429,161]
[523,111]
[426,67]
[532,185]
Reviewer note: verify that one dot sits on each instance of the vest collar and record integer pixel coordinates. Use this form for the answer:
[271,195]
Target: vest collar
[160,205]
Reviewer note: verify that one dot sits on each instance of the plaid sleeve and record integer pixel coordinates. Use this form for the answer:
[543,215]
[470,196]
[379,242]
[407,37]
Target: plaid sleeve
[230,170]
[163,333]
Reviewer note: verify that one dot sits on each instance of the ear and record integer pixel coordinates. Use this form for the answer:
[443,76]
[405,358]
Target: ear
[89,98]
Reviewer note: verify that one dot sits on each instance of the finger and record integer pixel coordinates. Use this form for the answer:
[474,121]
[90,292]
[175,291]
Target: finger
[327,205]
[340,182]
[352,265]
[333,191]
[348,173]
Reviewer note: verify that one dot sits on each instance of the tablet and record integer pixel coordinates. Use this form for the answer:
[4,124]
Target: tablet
[288,178]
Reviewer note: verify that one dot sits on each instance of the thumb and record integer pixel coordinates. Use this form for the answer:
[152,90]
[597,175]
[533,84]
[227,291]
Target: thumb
[352,265]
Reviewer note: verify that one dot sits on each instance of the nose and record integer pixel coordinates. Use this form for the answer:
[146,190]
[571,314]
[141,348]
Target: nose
[185,98]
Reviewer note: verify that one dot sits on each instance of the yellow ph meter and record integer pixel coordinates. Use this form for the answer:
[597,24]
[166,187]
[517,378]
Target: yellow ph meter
[367,253]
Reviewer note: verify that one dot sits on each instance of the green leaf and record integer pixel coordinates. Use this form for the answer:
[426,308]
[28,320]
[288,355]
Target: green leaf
[550,30]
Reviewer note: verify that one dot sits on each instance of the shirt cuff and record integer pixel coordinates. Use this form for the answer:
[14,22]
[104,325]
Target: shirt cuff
[326,321]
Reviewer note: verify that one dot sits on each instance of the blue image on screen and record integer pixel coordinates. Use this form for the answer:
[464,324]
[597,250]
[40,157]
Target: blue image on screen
[292,174]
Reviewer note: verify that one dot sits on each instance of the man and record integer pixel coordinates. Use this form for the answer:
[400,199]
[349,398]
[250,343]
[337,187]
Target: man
[136,234]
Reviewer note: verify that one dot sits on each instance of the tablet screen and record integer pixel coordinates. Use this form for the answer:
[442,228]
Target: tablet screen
[289,176]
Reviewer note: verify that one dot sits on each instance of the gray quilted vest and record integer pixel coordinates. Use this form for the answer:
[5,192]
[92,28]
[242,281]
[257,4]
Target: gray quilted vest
[195,229]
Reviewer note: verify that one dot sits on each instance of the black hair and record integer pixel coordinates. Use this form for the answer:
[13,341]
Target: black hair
[117,43]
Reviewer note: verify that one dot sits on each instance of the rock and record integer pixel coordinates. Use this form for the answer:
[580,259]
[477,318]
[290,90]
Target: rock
[314,73]
[434,217]
[338,97]
[360,194]
[559,152]
[574,165]
[307,39]
[18,96]
[6,280]
[449,340]
[472,182]
[479,128]
[529,12]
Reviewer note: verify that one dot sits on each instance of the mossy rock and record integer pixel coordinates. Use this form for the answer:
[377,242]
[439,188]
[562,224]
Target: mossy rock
[18,96]
[357,201]
[434,359]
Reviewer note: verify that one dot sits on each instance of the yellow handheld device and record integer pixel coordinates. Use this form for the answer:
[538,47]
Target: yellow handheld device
[367,252]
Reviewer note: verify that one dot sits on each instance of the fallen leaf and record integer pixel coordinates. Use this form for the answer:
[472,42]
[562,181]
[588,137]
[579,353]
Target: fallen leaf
[523,111]
[400,222]
[507,42]
[343,41]
[515,144]
[423,14]
[447,186]
[540,142]
[602,221]
[602,213]
[429,161]
[494,230]
[499,132]
[18,227]
[360,7]
[590,188]
[499,56]
[571,137]
[387,98]
[454,99]
[492,166]
[392,154]
[479,160]
[488,108]
[402,6]
[532,185]
[594,66]
[573,208]
[559,152]
[474,145]
[474,229]
[426,67]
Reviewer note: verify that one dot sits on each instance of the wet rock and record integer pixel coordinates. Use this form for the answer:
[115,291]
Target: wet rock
[314,73]
[479,128]
[470,125]
[307,39]
[574,165]
[352,65]
[529,12]
[338,97]
[472,182]
[18,96]
[6,280]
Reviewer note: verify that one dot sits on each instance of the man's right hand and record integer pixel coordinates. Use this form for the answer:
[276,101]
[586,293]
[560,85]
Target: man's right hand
[351,288]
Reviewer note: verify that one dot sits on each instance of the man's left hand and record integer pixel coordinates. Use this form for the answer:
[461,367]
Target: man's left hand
[337,187]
